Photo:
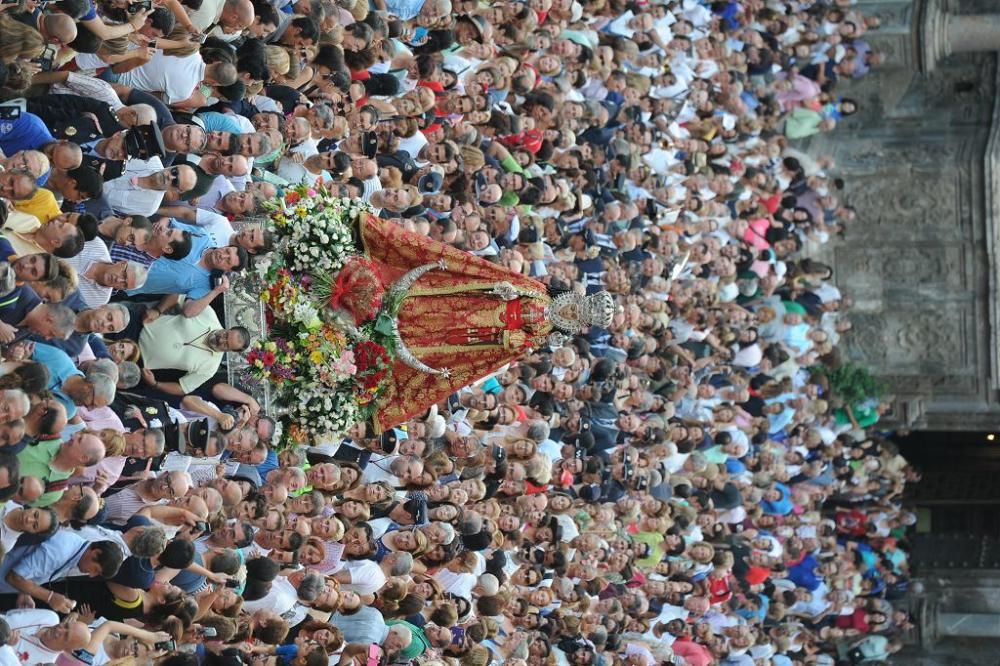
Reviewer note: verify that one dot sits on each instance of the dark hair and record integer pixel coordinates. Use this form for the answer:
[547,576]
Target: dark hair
[9,462]
[162,19]
[181,247]
[179,554]
[87,223]
[245,334]
[266,12]
[86,40]
[247,530]
[110,559]
[251,58]
[385,85]
[29,377]
[262,568]
[244,259]
[235,91]
[76,9]
[90,183]
[308,27]
[72,245]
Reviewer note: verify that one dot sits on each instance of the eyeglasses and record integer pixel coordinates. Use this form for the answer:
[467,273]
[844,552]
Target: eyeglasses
[175,177]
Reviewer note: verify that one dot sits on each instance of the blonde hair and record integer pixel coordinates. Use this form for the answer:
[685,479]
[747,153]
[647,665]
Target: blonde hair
[114,440]
[18,40]
[278,60]
[472,158]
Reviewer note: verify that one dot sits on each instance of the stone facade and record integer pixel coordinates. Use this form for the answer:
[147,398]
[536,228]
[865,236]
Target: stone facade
[917,161]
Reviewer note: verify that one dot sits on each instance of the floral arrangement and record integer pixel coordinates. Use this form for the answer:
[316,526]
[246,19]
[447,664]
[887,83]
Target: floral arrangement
[316,228]
[328,357]
[273,360]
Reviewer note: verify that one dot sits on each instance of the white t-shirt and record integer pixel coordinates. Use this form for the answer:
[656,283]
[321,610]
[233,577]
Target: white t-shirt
[459,584]
[8,657]
[281,599]
[176,77]
[28,622]
[217,226]
[8,536]
[367,576]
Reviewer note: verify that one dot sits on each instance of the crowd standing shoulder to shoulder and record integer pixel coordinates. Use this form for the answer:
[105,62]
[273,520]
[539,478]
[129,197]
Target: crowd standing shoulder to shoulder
[683,487]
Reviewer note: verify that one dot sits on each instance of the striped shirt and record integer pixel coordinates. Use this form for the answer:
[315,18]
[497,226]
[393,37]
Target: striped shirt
[121,252]
[94,252]
[123,505]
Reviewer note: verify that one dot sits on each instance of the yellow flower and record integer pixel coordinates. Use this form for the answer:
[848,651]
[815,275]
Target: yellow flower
[259,363]
[316,357]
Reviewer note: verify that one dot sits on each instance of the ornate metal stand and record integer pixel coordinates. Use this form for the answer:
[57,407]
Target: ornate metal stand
[244,308]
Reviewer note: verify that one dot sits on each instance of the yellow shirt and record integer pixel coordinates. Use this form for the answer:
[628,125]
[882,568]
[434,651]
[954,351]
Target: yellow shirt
[16,230]
[42,205]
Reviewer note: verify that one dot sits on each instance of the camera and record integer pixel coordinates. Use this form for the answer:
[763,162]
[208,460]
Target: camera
[232,583]
[141,6]
[166,646]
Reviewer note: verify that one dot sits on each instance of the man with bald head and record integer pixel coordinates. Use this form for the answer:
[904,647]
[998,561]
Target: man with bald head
[42,637]
[237,16]
[58,29]
[63,155]
[54,460]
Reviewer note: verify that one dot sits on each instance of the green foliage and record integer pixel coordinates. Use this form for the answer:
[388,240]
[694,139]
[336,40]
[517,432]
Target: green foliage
[854,384]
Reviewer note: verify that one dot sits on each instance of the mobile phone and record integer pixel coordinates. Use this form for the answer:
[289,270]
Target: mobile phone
[45,60]
[232,583]
[167,646]
[9,113]
[201,526]
[141,6]
[208,632]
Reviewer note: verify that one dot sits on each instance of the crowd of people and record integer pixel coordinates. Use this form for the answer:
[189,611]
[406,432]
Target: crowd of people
[682,488]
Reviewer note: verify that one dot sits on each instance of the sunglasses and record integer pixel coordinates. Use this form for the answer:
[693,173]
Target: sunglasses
[175,178]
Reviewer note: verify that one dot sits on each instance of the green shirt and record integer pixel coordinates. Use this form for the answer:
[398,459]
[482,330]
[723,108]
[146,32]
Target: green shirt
[417,646]
[36,460]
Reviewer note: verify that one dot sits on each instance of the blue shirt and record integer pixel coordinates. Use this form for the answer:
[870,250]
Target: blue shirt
[60,365]
[167,276]
[215,121]
[404,9]
[183,276]
[28,132]
[42,563]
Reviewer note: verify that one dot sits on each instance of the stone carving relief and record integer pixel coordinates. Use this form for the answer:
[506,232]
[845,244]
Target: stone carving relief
[937,266]
[923,341]
[906,199]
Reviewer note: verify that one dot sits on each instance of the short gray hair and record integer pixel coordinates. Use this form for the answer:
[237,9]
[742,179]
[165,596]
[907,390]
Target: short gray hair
[104,387]
[126,315]
[63,319]
[144,115]
[311,587]
[539,431]
[104,366]
[128,375]
[402,563]
[150,542]
[161,443]
[141,273]
[18,396]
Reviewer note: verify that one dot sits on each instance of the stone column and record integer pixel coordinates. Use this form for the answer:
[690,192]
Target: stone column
[940,33]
